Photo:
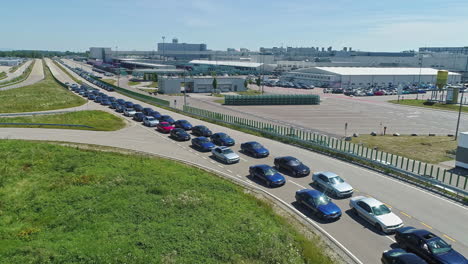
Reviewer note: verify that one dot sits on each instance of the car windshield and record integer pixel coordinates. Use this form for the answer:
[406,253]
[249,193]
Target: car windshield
[203,128]
[438,246]
[256,146]
[336,180]
[270,172]
[381,209]
[165,125]
[294,162]
[227,151]
[183,122]
[150,118]
[223,136]
[129,109]
[322,200]
[204,140]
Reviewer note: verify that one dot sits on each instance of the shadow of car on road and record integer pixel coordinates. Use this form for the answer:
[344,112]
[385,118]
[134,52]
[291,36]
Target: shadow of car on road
[364,223]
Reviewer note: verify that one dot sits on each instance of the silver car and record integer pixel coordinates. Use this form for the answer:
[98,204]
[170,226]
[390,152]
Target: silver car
[376,213]
[332,184]
[150,121]
[129,112]
[225,155]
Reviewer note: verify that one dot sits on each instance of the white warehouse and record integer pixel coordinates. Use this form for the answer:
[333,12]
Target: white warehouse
[349,77]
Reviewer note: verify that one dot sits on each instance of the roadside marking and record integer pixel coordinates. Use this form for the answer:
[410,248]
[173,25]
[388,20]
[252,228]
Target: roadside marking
[197,154]
[387,205]
[212,162]
[243,159]
[391,239]
[221,166]
[453,240]
[407,215]
[426,225]
[239,176]
[297,184]
[204,157]
[230,171]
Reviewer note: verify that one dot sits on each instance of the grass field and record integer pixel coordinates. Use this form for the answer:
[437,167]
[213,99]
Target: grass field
[110,81]
[424,148]
[65,205]
[67,73]
[249,92]
[131,83]
[3,75]
[152,85]
[413,102]
[44,95]
[99,120]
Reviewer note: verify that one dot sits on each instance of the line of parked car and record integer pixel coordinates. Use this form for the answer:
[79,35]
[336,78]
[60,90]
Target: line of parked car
[374,91]
[421,245]
[286,84]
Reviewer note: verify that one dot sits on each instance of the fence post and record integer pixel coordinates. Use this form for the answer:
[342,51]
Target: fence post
[466,181]
[381,156]
[451,174]
[443,177]
[425,167]
[432,169]
[458,179]
[407,163]
[372,154]
[391,160]
[419,167]
[438,170]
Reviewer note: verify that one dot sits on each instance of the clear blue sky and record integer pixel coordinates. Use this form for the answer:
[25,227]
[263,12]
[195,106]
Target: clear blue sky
[371,25]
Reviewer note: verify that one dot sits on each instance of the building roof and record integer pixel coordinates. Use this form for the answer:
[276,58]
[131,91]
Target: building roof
[376,71]
[228,63]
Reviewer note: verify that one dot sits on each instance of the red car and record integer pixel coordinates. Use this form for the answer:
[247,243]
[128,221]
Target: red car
[379,93]
[164,127]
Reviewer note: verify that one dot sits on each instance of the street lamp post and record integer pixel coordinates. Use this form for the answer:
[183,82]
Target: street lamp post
[459,116]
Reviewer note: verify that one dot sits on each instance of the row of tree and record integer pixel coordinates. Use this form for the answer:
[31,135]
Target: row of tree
[38,53]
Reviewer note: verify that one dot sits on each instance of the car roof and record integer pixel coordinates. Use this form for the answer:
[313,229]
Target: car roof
[311,193]
[162,123]
[328,174]
[422,233]
[182,120]
[201,138]
[370,201]
[219,133]
[262,166]
[251,142]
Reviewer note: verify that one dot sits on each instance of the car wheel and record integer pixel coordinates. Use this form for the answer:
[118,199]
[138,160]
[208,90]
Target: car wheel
[268,184]
[294,173]
[277,167]
[355,212]
[378,227]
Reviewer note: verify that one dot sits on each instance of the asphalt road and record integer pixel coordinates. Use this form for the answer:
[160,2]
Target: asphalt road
[416,207]
[36,75]
[18,72]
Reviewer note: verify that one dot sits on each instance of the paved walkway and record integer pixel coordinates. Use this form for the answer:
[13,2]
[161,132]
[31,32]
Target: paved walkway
[18,72]
[36,75]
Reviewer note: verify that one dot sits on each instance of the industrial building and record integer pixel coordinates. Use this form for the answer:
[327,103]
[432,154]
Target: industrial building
[10,61]
[173,85]
[230,67]
[103,54]
[354,77]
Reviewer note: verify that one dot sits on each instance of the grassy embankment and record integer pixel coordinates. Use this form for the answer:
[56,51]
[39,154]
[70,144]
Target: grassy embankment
[41,96]
[420,103]
[65,205]
[14,68]
[109,81]
[3,75]
[99,120]
[152,85]
[132,83]
[67,73]
[20,78]
[434,149]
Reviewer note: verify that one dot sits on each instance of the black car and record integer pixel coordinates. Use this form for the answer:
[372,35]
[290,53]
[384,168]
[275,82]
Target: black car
[399,256]
[120,108]
[98,99]
[291,165]
[139,117]
[222,139]
[166,118]
[113,105]
[138,107]
[428,246]
[201,131]
[184,124]
[91,97]
[120,101]
[179,134]
[254,149]
[112,99]
[105,102]
[147,111]
[128,104]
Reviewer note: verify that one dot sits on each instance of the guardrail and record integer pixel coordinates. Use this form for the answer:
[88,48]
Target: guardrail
[426,173]
[44,124]
[36,113]
[273,99]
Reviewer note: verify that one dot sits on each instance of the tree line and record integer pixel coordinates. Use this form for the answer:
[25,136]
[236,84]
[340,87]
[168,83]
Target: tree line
[39,53]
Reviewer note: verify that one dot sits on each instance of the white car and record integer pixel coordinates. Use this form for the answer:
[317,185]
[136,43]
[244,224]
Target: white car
[376,213]
[129,112]
[332,184]
[225,154]
[150,121]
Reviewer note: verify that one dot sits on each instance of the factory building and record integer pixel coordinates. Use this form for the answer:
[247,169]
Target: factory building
[103,54]
[354,77]
[11,61]
[230,67]
[173,85]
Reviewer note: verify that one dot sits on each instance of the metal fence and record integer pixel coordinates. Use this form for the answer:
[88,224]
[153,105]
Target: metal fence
[43,124]
[273,99]
[425,172]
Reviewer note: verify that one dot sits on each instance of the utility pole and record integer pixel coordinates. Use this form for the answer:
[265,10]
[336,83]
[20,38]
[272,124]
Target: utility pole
[459,116]
[185,84]
[420,70]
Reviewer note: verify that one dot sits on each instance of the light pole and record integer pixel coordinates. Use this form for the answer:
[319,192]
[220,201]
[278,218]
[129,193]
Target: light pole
[459,116]
[118,69]
[420,70]
[185,84]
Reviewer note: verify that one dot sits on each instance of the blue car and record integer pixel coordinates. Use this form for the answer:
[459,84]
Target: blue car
[128,104]
[222,139]
[105,102]
[120,101]
[254,149]
[320,204]
[203,144]
[428,246]
[155,114]
[400,256]
[166,118]
[267,174]
[184,124]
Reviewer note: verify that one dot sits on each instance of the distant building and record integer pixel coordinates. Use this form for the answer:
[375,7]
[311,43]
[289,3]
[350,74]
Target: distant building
[97,53]
[459,50]
[173,85]
[230,67]
[354,77]
[180,50]
[10,61]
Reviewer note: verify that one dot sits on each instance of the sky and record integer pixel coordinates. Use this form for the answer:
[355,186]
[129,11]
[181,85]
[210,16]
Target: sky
[367,25]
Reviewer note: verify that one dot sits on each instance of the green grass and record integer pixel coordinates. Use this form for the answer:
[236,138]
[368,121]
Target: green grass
[434,149]
[219,101]
[152,85]
[3,75]
[131,83]
[99,120]
[44,95]
[65,205]
[249,92]
[413,102]
[111,81]
[67,72]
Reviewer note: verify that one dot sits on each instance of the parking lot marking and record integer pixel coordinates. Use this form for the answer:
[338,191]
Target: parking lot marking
[204,157]
[243,159]
[230,171]
[449,238]
[391,239]
[298,184]
[407,215]
[197,154]
[221,166]
[388,205]
[239,176]
[190,150]
[212,162]
[426,225]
